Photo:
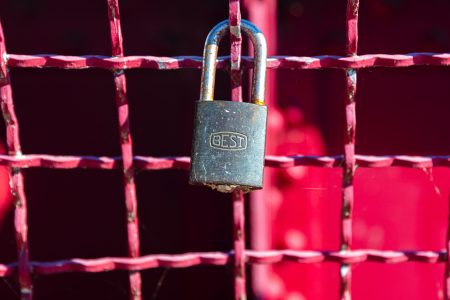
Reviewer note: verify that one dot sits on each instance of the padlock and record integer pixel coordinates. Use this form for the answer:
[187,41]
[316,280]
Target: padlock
[229,137]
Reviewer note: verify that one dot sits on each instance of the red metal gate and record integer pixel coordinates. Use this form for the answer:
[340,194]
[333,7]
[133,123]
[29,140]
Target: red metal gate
[129,164]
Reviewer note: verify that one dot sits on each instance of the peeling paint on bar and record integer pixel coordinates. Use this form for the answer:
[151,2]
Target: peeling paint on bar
[195,62]
[182,162]
[133,246]
[16,178]
[234,18]
[186,260]
[349,166]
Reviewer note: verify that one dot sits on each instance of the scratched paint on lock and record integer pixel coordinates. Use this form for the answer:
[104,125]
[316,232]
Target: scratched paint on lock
[228,141]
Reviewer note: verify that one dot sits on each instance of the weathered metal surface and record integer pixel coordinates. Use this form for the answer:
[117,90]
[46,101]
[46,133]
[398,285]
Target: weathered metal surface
[210,60]
[195,62]
[229,137]
[126,144]
[117,62]
[183,162]
[234,18]
[228,146]
[349,166]
[185,260]
[16,176]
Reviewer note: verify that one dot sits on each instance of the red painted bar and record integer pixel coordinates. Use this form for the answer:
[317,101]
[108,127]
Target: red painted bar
[127,149]
[239,246]
[235,50]
[349,166]
[447,267]
[240,292]
[16,177]
[195,62]
[182,162]
[185,260]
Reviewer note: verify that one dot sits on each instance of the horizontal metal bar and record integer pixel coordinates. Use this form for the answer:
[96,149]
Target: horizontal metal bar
[195,62]
[221,258]
[183,162]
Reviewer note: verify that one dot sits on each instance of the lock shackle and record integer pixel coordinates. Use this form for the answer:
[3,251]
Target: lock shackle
[210,60]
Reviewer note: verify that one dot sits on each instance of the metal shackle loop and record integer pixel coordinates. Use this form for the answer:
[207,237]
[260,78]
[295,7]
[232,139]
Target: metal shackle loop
[210,60]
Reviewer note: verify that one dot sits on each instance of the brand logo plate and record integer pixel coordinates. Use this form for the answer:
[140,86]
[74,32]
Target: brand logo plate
[228,140]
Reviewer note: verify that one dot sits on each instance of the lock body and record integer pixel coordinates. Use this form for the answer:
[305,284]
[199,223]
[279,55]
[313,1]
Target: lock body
[228,145]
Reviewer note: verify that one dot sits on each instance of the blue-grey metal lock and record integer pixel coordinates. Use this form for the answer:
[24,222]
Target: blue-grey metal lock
[229,137]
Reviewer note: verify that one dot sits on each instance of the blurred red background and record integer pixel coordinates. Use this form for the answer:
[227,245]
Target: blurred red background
[79,213]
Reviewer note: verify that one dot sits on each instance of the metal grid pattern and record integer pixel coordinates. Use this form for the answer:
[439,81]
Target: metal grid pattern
[128,163]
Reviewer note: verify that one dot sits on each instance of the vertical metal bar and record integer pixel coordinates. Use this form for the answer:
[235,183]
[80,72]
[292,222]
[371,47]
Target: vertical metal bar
[127,148]
[16,177]
[447,266]
[240,292]
[349,149]
[238,197]
[235,51]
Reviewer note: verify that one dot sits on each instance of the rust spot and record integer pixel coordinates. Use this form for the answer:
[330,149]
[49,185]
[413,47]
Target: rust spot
[236,31]
[124,134]
[128,173]
[239,234]
[259,102]
[7,117]
[131,217]
[118,72]
[17,201]
[223,188]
